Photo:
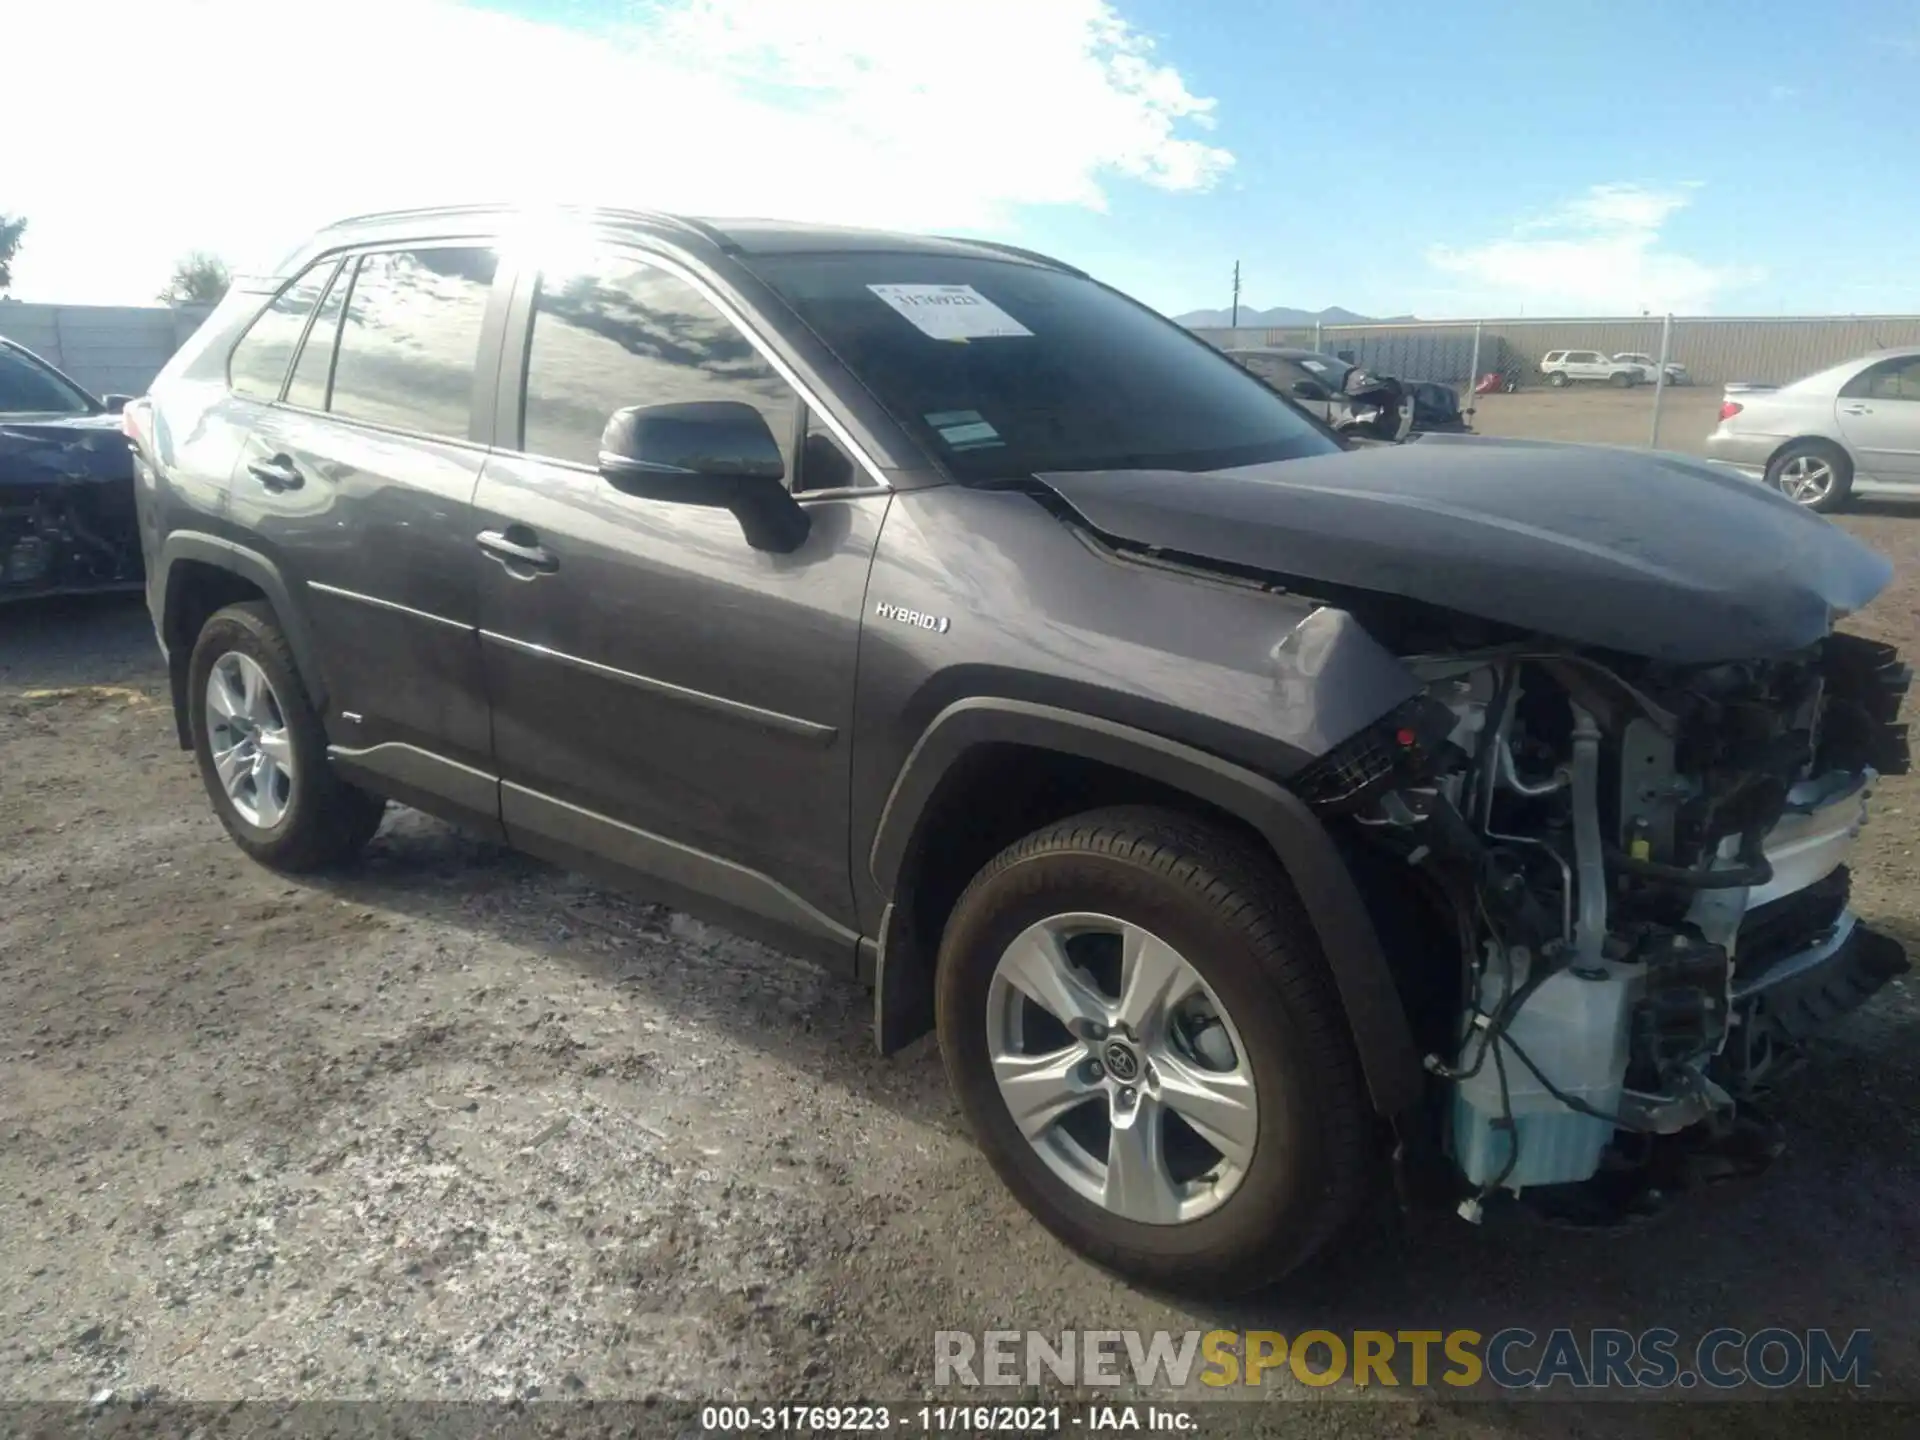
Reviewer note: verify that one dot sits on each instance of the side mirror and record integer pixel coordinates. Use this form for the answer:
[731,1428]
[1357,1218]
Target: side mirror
[116,403]
[717,453]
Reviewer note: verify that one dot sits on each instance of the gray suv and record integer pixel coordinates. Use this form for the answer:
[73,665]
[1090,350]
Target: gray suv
[1252,817]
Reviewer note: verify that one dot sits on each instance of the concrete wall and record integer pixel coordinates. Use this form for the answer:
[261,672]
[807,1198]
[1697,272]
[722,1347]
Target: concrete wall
[110,349]
[1714,350]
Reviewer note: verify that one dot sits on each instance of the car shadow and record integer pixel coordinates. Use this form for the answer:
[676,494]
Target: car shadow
[788,1008]
[1885,505]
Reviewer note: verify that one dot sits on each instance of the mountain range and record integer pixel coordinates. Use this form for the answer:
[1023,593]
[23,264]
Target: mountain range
[1278,317]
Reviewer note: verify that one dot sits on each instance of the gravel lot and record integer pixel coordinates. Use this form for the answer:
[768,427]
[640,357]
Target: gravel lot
[456,1125]
[1603,415]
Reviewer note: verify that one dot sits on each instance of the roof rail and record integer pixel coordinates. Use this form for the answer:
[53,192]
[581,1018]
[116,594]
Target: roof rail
[651,217]
[679,222]
[420,211]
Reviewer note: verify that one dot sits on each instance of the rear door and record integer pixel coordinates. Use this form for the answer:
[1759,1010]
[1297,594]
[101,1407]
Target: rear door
[668,700]
[1878,411]
[358,483]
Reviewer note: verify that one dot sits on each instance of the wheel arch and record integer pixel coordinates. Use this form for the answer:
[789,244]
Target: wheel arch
[1195,779]
[196,575]
[1829,441]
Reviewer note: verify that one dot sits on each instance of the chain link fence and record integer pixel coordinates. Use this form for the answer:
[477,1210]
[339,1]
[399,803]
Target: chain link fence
[1651,381]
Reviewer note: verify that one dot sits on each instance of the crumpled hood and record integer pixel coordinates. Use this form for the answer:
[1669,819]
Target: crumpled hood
[34,451]
[1635,551]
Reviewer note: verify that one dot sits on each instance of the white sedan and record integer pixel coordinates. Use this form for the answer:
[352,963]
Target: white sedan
[1650,368]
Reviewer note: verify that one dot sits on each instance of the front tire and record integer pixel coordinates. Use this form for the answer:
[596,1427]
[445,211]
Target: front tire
[1140,1028]
[263,751]
[1816,474]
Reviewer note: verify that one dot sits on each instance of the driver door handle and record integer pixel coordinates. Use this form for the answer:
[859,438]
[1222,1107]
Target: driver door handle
[276,474]
[1856,410]
[517,545]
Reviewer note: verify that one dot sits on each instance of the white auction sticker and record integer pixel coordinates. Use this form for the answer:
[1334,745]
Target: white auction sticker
[950,312]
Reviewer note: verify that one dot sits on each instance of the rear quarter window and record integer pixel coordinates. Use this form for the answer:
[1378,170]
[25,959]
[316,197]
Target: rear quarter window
[258,364]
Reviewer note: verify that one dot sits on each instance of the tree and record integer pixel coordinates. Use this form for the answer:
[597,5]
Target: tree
[200,279]
[12,227]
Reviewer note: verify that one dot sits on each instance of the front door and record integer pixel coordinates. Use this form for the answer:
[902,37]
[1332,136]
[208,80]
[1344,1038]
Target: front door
[1879,413]
[358,484]
[667,699]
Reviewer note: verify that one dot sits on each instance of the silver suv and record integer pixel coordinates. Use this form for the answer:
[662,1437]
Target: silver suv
[1563,367]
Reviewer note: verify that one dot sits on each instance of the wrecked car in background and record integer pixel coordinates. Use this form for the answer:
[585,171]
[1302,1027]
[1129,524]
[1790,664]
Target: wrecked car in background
[66,485]
[1352,399]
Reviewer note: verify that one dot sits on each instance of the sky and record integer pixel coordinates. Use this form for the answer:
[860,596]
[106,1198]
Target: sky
[1473,159]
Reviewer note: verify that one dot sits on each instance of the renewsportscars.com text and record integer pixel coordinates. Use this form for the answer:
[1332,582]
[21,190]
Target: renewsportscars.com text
[1775,1358]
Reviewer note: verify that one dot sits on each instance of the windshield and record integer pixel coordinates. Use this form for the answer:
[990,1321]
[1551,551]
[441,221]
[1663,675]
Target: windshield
[29,388]
[1004,369]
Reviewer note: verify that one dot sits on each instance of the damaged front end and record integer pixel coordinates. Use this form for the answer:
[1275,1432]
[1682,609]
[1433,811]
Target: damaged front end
[67,519]
[1640,869]
[1604,849]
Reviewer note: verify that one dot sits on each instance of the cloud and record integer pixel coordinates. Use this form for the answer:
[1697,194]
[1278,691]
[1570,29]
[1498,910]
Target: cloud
[1598,254]
[238,125]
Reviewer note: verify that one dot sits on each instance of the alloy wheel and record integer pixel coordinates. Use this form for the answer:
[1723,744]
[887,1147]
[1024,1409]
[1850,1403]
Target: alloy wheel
[1122,1068]
[1806,479]
[247,735]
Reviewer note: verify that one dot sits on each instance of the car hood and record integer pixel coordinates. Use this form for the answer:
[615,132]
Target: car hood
[1634,551]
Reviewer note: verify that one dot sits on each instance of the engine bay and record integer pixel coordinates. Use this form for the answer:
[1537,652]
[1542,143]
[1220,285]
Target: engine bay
[1642,870]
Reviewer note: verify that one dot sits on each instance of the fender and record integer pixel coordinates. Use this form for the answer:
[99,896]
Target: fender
[1389,1060]
[249,565]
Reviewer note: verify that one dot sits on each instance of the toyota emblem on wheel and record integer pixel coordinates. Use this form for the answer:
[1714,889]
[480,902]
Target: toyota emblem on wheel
[1122,1063]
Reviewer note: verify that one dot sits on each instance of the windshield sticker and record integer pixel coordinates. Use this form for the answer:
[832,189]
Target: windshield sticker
[951,312]
[965,430]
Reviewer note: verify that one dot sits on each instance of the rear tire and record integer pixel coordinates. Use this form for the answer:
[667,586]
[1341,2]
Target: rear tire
[1625,379]
[288,809]
[1221,906]
[1816,474]
[1559,380]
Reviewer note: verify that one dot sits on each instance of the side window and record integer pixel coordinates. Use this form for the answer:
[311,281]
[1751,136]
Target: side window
[619,332]
[1889,380]
[259,362]
[314,368]
[410,339]
[824,465]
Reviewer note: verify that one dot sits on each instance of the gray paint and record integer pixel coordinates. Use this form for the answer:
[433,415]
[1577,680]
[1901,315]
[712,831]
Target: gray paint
[1642,553]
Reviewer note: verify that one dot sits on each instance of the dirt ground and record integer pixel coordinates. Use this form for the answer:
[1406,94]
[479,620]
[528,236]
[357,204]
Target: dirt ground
[455,1125]
[1603,415]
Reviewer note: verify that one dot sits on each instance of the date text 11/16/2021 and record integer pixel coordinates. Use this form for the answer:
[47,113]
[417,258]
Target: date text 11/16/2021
[947,1419]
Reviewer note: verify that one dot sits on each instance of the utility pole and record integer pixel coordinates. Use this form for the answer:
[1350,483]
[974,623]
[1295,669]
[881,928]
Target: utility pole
[1236,295]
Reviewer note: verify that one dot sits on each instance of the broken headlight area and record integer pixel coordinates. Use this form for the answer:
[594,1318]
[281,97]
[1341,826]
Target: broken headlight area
[1641,869]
